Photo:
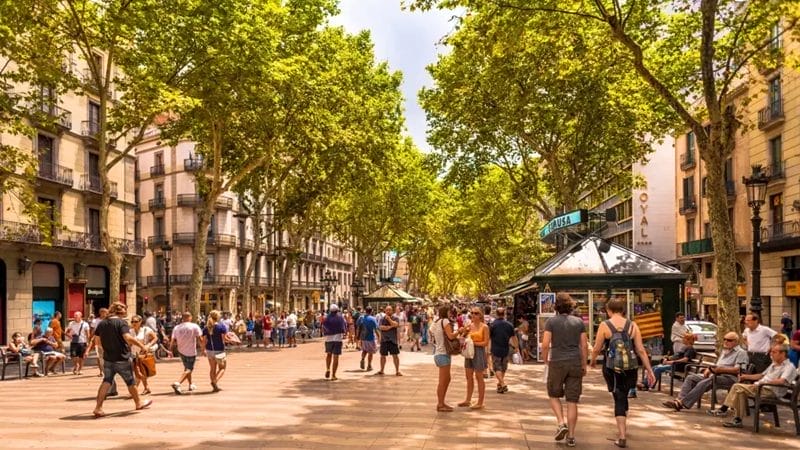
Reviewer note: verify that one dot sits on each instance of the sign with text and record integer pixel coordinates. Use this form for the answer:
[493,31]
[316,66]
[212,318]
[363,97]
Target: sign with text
[564,221]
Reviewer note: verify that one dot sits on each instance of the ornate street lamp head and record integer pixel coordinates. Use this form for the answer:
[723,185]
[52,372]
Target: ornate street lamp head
[756,186]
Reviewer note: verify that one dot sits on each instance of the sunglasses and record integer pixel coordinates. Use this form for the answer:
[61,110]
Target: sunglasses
[135,321]
[729,340]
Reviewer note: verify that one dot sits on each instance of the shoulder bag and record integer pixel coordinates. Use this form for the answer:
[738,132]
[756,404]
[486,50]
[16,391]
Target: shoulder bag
[452,346]
[221,357]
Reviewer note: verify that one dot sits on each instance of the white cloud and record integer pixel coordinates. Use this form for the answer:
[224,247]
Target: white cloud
[408,41]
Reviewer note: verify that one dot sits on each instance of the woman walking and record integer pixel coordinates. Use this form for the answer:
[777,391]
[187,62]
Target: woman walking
[148,338]
[214,348]
[283,327]
[619,337]
[440,330]
[474,367]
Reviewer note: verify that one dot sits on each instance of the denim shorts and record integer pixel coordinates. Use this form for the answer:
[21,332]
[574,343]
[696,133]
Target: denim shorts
[442,360]
[121,368]
[188,362]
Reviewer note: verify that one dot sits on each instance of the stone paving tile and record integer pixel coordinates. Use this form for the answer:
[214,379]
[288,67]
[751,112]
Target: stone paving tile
[279,399]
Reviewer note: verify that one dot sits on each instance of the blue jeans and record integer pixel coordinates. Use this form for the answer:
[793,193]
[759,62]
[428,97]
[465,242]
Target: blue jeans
[281,336]
[425,334]
[660,369]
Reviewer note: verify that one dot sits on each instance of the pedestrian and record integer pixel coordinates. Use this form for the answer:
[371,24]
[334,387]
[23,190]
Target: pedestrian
[758,340]
[440,330]
[283,328]
[415,325]
[101,316]
[679,329]
[622,342]
[474,367]
[58,331]
[366,330]
[187,336]
[503,339]
[114,337]
[214,348]
[258,330]
[333,329]
[786,325]
[267,323]
[150,321]
[149,339]
[78,334]
[565,352]
[389,326]
[488,319]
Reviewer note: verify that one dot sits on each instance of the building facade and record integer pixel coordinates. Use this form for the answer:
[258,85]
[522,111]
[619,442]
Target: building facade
[68,270]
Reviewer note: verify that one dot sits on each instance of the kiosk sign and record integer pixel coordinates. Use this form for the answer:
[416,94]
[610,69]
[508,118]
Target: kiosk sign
[565,220]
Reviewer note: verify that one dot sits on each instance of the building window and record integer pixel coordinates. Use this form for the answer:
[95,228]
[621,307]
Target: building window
[706,230]
[775,36]
[94,116]
[624,210]
[159,191]
[158,226]
[688,188]
[709,270]
[776,214]
[690,144]
[775,96]
[690,233]
[45,145]
[776,155]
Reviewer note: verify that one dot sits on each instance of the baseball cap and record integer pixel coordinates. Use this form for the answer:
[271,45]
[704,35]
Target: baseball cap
[334,307]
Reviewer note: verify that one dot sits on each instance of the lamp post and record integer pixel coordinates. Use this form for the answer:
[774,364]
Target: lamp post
[166,248]
[358,288]
[327,281]
[756,197]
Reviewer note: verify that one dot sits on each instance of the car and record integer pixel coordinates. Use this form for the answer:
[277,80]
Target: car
[706,333]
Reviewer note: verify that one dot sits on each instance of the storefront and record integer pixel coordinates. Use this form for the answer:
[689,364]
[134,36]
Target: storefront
[97,292]
[48,291]
[593,271]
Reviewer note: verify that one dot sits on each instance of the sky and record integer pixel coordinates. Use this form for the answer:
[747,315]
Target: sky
[407,40]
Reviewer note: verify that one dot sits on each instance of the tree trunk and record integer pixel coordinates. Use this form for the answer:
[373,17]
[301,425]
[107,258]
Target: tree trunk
[246,300]
[286,281]
[204,214]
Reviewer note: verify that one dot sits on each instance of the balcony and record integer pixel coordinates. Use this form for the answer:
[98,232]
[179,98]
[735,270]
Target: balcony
[157,203]
[698,247]
[20,232]
[222,240]
[780,236]
[208,280]
[157,170]
[55,173]
[133,247]
[92,83]
[310,257]
[247,244]
[687,161]
[190,200]
[92,184]
[687,205]
[156,241]
[224,203]
[192,164]
[45,113]
[78,240]
[772,115]
[66,239]
[777,170]
[90,129]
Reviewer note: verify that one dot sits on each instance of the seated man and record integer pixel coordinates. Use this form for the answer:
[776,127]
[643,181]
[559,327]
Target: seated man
[777,376]
[19,347]
[47,346]
[730,362]
[679,360]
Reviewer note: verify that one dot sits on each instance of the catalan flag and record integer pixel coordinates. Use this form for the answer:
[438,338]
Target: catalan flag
[650,325]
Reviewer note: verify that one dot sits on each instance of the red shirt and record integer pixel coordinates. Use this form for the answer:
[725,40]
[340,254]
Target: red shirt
[267,321]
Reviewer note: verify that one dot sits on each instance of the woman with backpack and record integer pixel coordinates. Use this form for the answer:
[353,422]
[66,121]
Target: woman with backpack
[620,341]
[441,331]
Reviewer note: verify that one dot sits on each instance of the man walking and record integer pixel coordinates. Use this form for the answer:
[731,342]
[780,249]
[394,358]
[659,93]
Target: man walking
[291,321]
[565,350]
[78,334]
[503,338]
[366,326]
[389,325]
[679,330]
[187,336]
[333,329]
[113,335]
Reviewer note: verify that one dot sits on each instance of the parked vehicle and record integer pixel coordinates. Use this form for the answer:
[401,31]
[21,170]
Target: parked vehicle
[706,333]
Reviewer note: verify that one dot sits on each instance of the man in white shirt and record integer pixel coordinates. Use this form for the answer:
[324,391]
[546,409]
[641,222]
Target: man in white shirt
[758,340]
[679,330]
[78,334]
[291,320]
[777,377]
[187,336]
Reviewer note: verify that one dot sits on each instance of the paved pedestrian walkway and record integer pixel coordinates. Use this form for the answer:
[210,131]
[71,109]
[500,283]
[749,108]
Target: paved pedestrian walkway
[279,399]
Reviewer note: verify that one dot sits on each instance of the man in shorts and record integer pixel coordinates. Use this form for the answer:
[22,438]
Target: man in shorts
[187,336]
[389,325]
[78,334]
[366,325]
[565,351]
[113,335]
[503,338]
[333,329]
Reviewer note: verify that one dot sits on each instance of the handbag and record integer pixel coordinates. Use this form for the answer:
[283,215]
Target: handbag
[221,356]
[147,363]
[451,346]
[516,358]
[468,351]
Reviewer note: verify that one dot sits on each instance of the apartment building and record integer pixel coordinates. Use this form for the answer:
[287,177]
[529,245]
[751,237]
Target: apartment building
[67,272]
[167,198]
[771,139]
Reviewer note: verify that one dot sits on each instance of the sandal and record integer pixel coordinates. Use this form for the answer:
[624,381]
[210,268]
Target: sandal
[145,405]
[444,408]
[98,414]
[464,404]
[476,406]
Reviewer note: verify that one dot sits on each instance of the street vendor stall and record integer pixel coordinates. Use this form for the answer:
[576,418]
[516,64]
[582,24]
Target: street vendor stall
[389,295]
[593,271]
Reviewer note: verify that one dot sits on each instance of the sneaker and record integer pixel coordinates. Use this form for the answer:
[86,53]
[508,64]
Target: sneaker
[369,368]
[177,388]
[561,432]
[505,389]
[735,423]
[717,412]
[571,442]
[192,387]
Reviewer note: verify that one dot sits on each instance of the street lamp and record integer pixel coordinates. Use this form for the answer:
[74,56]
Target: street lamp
[327,281]
[358,288]
[756,197]
[166,248]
